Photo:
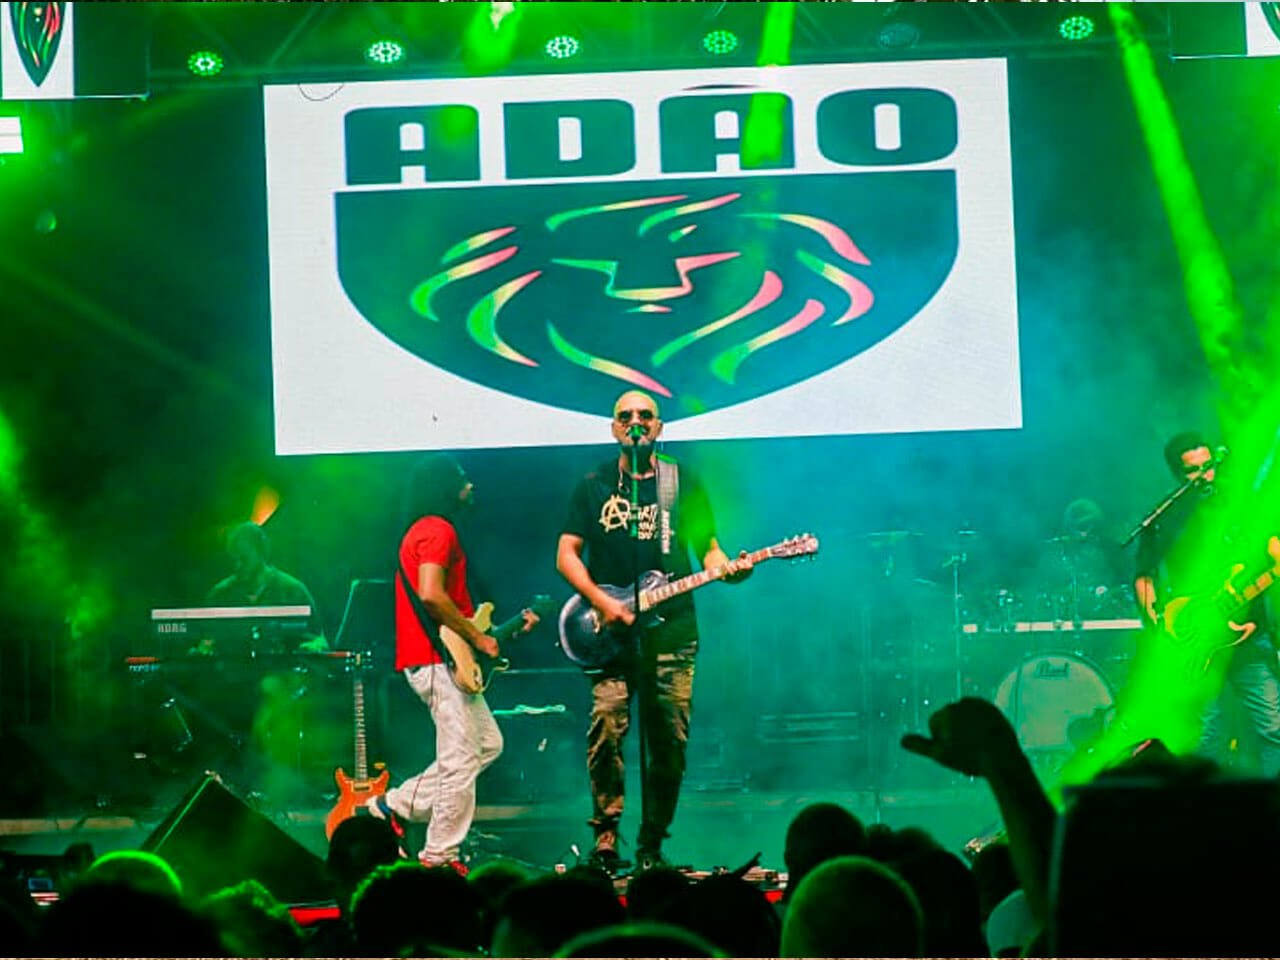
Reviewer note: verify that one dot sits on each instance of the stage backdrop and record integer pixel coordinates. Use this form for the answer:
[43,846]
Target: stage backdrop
[779,251]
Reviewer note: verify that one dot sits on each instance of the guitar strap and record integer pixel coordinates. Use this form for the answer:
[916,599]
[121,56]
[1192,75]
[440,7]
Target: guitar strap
[424,618]
[668,471]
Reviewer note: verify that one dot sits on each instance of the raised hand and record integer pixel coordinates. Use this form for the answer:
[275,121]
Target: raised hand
[970,735]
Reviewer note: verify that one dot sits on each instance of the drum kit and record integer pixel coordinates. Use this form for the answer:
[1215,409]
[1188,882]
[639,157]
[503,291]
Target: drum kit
[1047,638]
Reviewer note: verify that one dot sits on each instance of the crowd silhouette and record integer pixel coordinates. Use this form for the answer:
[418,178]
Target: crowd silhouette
[1151,858]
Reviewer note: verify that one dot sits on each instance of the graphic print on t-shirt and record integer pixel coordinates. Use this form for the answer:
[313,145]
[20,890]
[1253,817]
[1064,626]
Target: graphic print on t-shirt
[615,514]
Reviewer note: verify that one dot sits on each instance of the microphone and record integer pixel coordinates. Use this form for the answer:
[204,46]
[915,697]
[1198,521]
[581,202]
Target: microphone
[636,431]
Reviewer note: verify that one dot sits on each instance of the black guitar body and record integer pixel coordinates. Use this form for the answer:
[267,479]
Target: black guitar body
[582,635]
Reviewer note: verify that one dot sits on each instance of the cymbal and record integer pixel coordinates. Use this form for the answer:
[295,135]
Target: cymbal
[878,537]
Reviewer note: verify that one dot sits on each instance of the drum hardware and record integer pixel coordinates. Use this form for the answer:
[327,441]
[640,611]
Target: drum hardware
[1056,703]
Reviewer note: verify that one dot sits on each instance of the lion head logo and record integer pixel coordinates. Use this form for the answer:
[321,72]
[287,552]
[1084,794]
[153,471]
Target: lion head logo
[704,292]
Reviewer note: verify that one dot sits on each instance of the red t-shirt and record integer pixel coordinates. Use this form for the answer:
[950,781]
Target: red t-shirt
[429,540]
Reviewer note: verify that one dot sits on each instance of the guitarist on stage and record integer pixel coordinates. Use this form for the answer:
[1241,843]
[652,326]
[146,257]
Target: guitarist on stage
[596,547]
[1188,552]
[434,566]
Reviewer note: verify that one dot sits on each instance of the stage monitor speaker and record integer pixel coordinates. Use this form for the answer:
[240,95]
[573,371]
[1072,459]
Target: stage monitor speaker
[214,840]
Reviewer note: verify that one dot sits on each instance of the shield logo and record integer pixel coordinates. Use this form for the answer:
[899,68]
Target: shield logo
[705,292]
[1272,13]
[37,31]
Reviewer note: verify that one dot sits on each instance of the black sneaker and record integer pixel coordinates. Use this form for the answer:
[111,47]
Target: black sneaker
[605,854]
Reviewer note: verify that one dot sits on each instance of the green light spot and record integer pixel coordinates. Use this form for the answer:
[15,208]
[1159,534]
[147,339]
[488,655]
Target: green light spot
[1078,27]
[720,42]
[205,63]
[384,52]
[563,47]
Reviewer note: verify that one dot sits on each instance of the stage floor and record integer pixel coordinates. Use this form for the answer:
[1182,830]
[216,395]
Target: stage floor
[714,827]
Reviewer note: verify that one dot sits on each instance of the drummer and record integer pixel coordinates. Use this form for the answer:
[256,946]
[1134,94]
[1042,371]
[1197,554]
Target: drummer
[1083,568]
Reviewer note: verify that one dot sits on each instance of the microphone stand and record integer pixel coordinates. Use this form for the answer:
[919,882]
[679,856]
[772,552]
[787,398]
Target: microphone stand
[635,432]
[1162,508]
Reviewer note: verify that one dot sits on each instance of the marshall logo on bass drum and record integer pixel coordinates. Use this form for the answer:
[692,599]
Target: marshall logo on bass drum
[583,638]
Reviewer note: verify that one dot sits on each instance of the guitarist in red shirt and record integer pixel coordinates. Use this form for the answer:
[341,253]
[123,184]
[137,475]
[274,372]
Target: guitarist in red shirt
[433,565]
[1189,552]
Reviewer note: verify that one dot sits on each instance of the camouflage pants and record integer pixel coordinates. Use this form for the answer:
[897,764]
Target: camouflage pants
[663,690]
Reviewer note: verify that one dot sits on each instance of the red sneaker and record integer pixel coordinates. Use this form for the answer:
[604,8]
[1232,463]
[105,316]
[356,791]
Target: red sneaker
[457,866]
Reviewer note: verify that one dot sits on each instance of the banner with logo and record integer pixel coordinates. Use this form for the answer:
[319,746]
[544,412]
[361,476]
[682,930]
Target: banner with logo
[1262,29]
[780,251]
[60,51]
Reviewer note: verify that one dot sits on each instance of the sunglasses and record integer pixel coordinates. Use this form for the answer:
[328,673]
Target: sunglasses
[644,416]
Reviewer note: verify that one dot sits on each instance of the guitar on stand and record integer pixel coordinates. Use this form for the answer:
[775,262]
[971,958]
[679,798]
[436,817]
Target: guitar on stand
[354,791]
[586,642]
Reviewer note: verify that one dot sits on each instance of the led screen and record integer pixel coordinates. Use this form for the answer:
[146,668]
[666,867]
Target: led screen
[781,251]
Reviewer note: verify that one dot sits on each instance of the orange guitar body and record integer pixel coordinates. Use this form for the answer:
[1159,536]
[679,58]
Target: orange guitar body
[353,793]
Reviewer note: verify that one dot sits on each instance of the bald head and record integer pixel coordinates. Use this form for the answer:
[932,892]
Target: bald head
[635,398]
[635,419]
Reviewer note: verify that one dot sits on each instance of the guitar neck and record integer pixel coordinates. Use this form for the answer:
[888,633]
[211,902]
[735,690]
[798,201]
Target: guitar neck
[1230,599]
[660,594]
[508,628]
[362,753]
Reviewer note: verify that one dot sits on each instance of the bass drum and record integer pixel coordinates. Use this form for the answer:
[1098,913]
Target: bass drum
[1056,702]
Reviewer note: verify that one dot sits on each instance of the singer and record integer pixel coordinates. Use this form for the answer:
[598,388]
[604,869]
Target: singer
[1190,552]
[639,511]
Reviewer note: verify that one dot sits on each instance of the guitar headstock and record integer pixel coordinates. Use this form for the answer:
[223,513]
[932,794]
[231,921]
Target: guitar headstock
[804,545]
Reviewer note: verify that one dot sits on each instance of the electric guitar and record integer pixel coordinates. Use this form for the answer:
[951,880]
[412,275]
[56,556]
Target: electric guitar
[1204,624]
[586,642]
[357,790]
[471,670]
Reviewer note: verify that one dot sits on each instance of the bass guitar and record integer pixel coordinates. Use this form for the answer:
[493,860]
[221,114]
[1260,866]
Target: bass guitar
[1204,625]
[586,642]
[354,791]
[471,670]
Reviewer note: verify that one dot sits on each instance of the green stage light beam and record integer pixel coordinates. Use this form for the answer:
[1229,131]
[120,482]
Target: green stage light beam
[491,36]
[762,134]
[1171,682]
[1206,280]
[1249,403]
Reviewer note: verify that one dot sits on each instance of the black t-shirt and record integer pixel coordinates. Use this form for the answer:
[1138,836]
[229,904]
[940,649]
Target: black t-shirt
[600,513]
[1191,549]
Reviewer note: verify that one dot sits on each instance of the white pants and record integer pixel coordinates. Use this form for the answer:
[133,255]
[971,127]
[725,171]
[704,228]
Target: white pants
[443,796]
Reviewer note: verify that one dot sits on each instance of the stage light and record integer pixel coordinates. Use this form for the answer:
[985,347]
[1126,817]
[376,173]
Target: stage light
[1078,27]
[10,134]
[898,35]
[563,47]
[720,42]
[265,503]
[384,52]
[205,63]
